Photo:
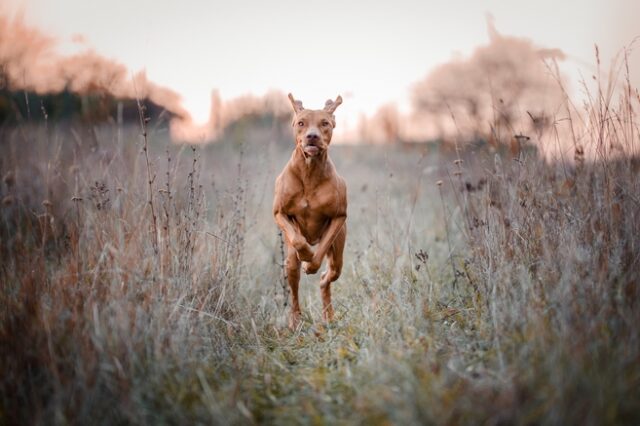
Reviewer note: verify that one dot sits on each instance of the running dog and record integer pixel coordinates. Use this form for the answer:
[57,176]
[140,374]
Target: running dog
[310,205]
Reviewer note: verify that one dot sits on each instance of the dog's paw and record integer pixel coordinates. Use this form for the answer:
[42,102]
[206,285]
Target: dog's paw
[310,267]
[304,250]
[305,255]
[294,320]
[327,314]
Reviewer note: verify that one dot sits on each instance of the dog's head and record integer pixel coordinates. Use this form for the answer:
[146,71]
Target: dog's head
[313,128]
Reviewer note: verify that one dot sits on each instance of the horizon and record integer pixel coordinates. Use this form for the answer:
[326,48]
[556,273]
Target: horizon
[365,53]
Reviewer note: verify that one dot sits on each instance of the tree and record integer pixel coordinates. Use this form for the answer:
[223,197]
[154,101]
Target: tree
[490,93]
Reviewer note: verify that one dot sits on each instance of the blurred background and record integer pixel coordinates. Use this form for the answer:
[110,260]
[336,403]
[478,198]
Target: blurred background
[400,67]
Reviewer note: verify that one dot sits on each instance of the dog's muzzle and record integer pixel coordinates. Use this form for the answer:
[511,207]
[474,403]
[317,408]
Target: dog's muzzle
[311,150]
[311,141]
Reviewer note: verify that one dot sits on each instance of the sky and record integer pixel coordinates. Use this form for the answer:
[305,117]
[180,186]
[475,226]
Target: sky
[370,52]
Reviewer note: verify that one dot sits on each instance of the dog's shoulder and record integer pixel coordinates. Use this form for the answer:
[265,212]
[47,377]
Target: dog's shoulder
[286,187]
[340,185]
[287,181]
[331,196]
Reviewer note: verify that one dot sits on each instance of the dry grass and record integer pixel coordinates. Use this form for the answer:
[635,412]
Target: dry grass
[511,299]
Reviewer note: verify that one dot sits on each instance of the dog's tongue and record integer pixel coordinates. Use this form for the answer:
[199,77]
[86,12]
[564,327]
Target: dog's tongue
[311,150]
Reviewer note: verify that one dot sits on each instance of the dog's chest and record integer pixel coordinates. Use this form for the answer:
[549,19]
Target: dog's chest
[304,206]
[312,204]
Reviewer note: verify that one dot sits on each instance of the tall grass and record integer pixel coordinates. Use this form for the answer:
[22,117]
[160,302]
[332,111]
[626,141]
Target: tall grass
[93,309]
[508,293]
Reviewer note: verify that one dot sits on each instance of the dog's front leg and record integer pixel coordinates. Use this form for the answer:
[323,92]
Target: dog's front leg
[311,267]
[293,237]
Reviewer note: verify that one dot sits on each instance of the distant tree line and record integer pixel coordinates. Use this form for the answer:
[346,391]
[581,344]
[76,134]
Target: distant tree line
[18,107]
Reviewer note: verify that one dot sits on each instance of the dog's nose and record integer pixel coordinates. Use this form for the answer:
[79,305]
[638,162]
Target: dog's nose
[312,137]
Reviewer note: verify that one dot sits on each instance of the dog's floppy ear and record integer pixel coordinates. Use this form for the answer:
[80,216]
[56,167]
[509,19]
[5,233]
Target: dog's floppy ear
[330,106]
[297,105]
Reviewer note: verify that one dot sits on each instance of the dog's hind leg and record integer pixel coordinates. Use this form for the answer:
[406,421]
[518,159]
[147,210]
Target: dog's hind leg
[293,278]
[334,268]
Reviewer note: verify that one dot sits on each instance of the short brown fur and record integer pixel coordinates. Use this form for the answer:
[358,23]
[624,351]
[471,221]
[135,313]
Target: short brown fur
[310,205]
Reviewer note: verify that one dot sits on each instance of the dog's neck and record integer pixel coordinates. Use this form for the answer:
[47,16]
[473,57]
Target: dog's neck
[310,170]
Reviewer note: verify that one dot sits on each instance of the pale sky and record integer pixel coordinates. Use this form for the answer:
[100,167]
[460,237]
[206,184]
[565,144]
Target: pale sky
[370,52]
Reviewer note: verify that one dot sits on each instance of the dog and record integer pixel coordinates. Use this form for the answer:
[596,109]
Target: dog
[310,205]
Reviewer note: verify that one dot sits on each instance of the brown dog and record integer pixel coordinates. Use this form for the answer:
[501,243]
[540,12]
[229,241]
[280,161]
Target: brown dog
[310,205]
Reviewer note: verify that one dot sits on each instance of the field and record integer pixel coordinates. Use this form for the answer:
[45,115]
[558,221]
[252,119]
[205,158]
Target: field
[142,283]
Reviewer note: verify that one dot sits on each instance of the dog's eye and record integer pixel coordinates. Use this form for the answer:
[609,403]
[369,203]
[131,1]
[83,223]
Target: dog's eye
[300,123]
[325,123]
